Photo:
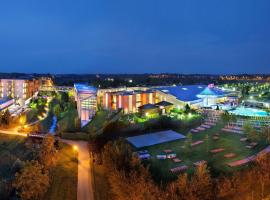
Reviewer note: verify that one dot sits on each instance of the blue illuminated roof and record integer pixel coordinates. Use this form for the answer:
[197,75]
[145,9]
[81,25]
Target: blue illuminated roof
[189,92]
[79,87]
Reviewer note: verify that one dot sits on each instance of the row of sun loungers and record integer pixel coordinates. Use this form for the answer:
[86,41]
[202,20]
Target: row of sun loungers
[203,127]
[242,162]
[232,130]
[185,167]
[249,159]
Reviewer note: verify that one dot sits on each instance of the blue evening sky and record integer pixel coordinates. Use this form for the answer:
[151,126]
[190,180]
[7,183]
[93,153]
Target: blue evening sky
[135,36]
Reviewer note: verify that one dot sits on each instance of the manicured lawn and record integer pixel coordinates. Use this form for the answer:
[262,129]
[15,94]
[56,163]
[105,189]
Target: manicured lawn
[64,176]
[217,163]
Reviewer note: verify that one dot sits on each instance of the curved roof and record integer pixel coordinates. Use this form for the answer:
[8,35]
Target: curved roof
[84,88]
[189,92]
[207,92]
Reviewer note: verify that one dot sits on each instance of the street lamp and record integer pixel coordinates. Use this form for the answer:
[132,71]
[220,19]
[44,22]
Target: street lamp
[75,148]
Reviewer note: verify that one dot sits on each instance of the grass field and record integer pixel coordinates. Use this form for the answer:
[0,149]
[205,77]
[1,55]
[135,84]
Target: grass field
[64,176]
[97,122]
[217,163]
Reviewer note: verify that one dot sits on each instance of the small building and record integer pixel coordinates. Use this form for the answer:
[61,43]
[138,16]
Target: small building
[86,98]
[165,107]
[19,89]
[148,110]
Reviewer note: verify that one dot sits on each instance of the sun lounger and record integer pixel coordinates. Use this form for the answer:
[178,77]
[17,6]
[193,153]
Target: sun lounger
[194,130]
[229,155]
[217,150]
[205,126]
[168,151]
[196,143]
[171,155]
[177,160]
[215,137]
[253,144]
[200,128]
[161,157]
[243,139]
[242,162]
[179,169]
[201,162]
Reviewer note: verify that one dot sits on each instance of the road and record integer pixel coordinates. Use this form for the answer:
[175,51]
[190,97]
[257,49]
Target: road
[85,184]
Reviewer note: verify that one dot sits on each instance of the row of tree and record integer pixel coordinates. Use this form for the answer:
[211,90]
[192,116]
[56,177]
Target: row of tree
[33,180]
[129,179]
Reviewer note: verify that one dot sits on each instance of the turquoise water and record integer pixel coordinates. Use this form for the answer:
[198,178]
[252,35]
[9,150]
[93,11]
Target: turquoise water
[249,112]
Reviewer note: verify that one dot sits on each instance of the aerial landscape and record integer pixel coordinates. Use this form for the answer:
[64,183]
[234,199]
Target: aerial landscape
[135,100]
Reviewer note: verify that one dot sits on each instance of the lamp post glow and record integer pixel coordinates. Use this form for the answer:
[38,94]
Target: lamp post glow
[75,148]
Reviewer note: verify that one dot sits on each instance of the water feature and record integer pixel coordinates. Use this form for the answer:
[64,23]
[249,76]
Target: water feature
[53,125]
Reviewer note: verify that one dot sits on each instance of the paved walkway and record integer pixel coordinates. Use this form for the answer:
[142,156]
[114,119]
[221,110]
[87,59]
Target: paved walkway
[85,185]
[13,132]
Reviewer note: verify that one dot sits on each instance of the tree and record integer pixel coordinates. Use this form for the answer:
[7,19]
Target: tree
[262,172]
[226,117]
[266,134]
[32,182]
[57,110]
[201,183]
[6,117]
[187,108]
[47,154]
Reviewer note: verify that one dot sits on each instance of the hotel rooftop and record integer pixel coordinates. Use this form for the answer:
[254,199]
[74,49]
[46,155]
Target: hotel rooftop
[190,93]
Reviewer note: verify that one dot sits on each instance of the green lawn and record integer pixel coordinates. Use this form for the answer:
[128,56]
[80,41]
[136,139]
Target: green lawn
[64,176]
[217,163]
[97,122]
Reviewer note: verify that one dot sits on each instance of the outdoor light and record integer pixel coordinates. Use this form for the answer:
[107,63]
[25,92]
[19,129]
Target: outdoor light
[75,148]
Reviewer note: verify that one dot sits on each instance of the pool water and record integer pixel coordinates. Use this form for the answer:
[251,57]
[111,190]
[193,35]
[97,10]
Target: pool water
[249,112]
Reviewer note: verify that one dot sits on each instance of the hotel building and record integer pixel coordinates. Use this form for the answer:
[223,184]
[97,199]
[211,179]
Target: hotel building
[129,101]
[196,96]
[19,89]
[86,98]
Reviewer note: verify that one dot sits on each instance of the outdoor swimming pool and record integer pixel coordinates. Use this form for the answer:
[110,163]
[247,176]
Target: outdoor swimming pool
[249,112]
